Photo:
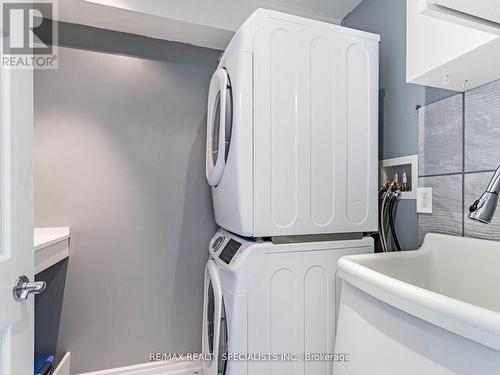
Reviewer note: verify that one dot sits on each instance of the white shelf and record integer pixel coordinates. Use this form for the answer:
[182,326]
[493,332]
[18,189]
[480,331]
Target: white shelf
[51,246]
[64,366]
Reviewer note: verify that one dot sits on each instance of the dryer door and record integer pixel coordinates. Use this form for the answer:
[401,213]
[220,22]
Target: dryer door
[215,338]
[219,125]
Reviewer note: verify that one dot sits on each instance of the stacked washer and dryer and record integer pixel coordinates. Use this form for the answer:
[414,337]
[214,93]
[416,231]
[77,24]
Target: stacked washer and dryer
[292,157]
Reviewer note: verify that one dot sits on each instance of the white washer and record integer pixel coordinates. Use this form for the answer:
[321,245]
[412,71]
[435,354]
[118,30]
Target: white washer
[292,129]
[262,297]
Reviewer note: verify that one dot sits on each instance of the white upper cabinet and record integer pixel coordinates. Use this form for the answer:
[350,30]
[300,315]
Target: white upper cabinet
[480,14]
[453,44]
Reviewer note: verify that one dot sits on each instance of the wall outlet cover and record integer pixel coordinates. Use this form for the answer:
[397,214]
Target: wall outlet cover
[424,200]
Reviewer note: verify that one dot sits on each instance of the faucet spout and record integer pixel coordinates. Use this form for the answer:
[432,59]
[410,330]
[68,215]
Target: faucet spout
[494,185]
[484,208]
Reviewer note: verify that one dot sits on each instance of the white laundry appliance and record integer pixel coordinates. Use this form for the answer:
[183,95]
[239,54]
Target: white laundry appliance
[263,298]
[292,139]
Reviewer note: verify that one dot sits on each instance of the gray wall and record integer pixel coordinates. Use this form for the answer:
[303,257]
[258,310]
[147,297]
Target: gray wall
[119,157]
[458,142]
[398,100]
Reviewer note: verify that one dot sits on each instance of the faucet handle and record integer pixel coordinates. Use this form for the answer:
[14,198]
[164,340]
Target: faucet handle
[474,206]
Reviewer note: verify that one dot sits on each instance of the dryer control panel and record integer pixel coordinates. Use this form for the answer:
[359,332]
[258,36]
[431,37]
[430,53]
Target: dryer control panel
[226,247]
[229,251]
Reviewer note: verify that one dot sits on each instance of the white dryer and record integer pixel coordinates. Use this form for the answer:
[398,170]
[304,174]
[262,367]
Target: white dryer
[292,138]
[265,298]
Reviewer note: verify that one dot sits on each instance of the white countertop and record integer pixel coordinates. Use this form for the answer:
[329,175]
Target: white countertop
[44,237]
[51,246]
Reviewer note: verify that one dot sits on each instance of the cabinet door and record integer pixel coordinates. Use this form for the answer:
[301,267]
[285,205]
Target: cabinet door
[315,130]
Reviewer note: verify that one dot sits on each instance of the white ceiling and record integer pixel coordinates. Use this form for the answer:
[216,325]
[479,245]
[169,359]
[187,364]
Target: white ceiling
[207,23]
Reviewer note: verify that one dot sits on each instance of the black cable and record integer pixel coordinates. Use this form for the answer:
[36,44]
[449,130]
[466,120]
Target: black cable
[390,218]
[391,223]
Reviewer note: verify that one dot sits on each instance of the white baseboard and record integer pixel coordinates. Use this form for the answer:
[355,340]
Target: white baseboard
[155,368]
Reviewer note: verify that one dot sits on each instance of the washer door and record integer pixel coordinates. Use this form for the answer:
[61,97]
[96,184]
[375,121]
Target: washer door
[219,125]
[215,338]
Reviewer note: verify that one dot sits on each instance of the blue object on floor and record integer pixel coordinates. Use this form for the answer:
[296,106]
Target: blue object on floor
[43,363]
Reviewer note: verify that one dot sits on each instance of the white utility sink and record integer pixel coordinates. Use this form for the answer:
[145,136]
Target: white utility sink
[435,310]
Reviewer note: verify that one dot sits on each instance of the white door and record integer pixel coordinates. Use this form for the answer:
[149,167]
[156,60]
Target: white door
[219,125]
[16,236]
[214,342]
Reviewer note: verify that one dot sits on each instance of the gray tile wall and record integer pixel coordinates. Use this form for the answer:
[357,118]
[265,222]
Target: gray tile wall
[459,148]
[482,128]
[440,137]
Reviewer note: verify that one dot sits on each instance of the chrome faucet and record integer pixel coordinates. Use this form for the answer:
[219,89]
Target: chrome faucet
[484,208]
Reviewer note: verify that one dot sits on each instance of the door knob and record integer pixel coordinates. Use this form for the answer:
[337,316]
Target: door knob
[24,288]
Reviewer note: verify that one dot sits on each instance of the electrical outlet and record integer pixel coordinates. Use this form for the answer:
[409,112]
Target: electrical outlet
[424,200]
